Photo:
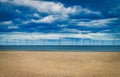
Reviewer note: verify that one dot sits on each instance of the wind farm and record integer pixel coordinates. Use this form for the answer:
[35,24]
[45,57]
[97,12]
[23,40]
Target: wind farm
[59,57]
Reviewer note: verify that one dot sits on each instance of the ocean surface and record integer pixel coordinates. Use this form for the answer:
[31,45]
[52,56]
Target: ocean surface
[65,48]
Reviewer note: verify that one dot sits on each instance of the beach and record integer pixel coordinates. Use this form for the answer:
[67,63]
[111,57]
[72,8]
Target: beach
[59,64]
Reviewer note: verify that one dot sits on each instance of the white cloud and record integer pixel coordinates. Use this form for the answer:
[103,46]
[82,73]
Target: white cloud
[46,7]
[115,11]
[56,11]
[97,23]
[36,15]
[18,11]
[62,25]
[3,0]
[12,27]
[87,11]
[52,8]
[6,22]
[74,31]
[47,19]
[54,36]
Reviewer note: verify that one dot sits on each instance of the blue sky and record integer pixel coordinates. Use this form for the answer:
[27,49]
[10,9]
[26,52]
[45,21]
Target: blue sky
[66,19]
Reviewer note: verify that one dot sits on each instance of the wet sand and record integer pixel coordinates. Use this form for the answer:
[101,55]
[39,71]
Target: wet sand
[59,64]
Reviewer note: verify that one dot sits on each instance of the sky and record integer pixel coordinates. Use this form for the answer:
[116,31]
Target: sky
[53,20]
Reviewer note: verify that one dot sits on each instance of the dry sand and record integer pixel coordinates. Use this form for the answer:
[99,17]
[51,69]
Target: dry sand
[59,64]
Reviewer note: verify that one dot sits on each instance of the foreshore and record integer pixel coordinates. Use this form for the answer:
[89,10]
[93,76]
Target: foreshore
[59,64]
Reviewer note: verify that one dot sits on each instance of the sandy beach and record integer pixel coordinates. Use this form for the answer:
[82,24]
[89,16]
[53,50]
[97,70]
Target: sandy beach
[59,64]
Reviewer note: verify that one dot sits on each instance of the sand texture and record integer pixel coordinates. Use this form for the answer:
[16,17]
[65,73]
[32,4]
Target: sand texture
[59,64]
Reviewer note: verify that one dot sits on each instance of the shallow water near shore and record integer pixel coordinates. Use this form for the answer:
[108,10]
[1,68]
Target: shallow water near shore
[78,48]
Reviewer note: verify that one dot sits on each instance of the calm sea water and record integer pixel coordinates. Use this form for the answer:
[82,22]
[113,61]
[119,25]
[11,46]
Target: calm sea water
[61,48]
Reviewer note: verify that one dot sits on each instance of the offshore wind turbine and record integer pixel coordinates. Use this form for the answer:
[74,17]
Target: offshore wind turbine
[1,38]
[32,39]
[116,39]
[90,41]
[6,41]
[76,42]
[80,41]
[17,41]
[59,43]
[26,42]
[43,41]
[72,42]
[93,42]
[113,43]
[83,42]
[102,42]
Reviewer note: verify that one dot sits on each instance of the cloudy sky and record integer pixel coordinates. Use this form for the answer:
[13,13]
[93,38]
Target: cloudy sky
[54,19]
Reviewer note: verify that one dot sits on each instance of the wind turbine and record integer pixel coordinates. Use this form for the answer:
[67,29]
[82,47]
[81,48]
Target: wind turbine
[83,42]
[1,38]
[113,42]
[26,42]
[43,41]
[80,41]
[90,41]
[6,41]
[102,42]
[72,42]
[59,43]
[32,39]
[76,41]
[17,41]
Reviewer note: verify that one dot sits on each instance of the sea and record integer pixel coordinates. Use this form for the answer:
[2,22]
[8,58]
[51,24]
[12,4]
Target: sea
[60,48]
